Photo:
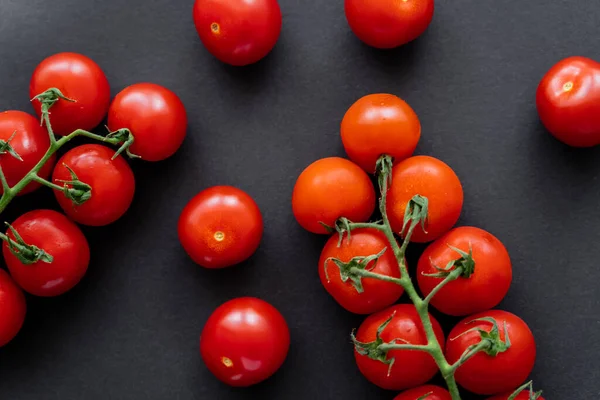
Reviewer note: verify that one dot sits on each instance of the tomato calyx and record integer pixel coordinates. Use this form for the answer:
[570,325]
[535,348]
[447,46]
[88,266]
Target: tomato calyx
[48,99]
[26,253]
[75,190]
[5,147]
[466,265]
[372,349]
[124,137]
[352,269]
[532,395]
[383,169]
[417,211]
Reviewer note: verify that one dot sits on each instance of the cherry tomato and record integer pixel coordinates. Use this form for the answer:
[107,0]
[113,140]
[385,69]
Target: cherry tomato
[30,142]
[411,368]
[386,24]
[524,395]
[12,309]
[156,117]
[568,101]
[427,392]
[484,374]
[244,341]
[78,78]
[59,237]
[331,188]
[376,294]
[238,32]
[484,289]
[220,227]
[379,124]
[112,182]
[433,179]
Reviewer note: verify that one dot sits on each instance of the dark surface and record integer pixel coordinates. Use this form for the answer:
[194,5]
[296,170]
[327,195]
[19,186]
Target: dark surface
[131,328]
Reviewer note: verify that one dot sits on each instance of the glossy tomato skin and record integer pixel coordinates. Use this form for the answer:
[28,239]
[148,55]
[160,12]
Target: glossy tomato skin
[433,393]
[238,32]
[12,309]
[63,240]
[379,124]
[156,117]
[386,24]
[78,78]
[377,294]
[568,101]
[434,179]
[112,182]
[487,375]
[331,188]
[220,227]
[411,368]
[524,395]
[31,142]
[244,341]
[484,289]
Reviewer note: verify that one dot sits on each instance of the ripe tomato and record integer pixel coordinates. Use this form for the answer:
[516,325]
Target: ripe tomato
[431,392]
[12,309]
[244,341]
[380,124]
[484,374]
[63,240]
[331,188]
[568,101]
[112,182]
[238,32]
[386,24]
[78,78]
[484,289]
[156,117]
[411,368]
[377,294]
[524,395]
[220,227]
[30,142]
[433,179]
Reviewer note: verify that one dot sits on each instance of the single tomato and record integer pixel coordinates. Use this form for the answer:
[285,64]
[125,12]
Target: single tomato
[380,124]
[331,188]
[80,79]
[244,341]
[12,309]
[426,392]
[220,227]
[238,32]
[112,182]
[30,141]
[155,116]
[433,179]
[568,101]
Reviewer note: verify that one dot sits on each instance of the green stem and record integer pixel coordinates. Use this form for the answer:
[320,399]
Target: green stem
[368,274]
[484,344]
[405,346]
[365,225]
[46,120]
[39,179]
[455,274]
[5,186]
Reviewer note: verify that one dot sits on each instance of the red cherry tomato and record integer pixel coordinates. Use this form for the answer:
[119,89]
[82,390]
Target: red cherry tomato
[30,142]
[244,341]
[427,392]
[379,124]
[112,182]
[484,374]
[411,368]
[484,289]
[238,32]
[524,395]
[376,294]
[331,188]
[220,227]
[387,24]
[63,240]
[568,101]
[433,179]
[78,78]
[12,309]
[156,117]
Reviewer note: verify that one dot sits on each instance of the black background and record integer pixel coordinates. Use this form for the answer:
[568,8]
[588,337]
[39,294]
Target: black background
[131,328]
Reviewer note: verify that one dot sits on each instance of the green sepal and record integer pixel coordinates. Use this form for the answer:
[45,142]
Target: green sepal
[48,99]
[359,262]
[466,262]
[532,395]
[126,139]
[372,349]
[5,147]
[75,190]
[416,212]
[26,253]
[496,344]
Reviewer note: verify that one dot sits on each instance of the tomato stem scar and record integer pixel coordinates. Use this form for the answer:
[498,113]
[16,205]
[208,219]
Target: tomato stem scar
[219,236]
[215,27]
[567,87]
[227,362]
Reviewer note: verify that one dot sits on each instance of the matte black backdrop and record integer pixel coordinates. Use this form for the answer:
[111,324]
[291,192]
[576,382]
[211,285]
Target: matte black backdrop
[131,328]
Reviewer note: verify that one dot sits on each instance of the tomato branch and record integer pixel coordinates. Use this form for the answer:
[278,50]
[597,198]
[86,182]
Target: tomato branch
[455,274]
[368,274]
[5,187]
[405,346]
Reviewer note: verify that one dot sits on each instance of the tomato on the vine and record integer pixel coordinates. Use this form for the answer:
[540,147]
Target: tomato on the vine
[379,124]
[23,133]
[433,179]
[483,289]
[55,234]
[331,188]
[220,227]
[485,374]
[155,116]
[244,341]
[80,79]
[112,182]
[386,24]
[426,392]
[238,32]
[12,309]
